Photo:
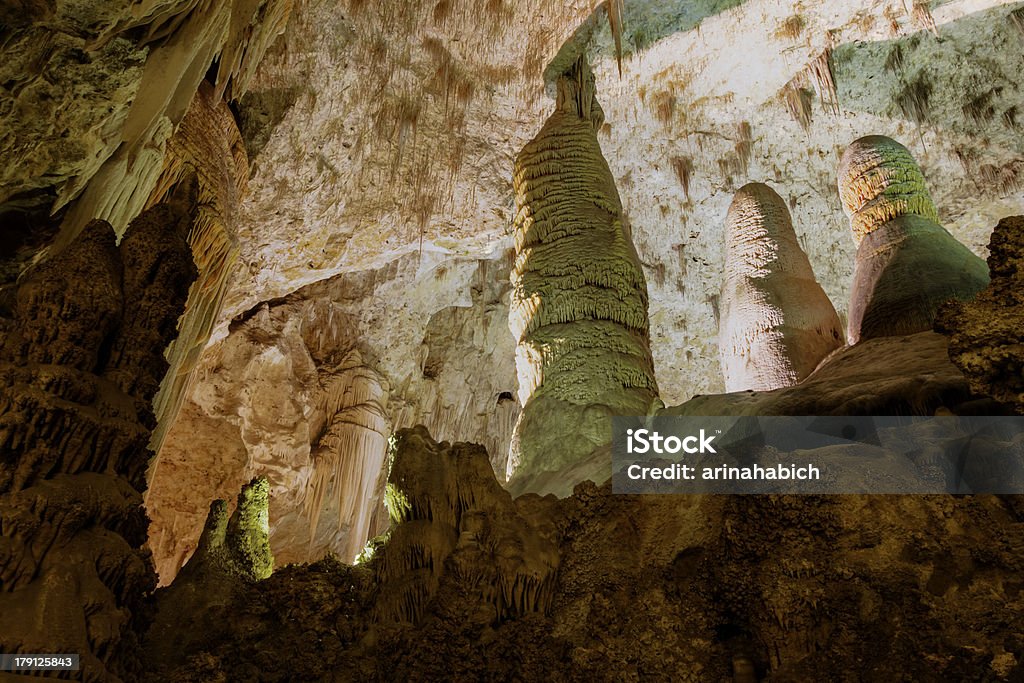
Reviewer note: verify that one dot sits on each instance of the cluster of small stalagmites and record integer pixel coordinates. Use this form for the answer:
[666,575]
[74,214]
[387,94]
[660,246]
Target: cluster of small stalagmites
[907,265]
[237,545]
[78,368]
[985,334]
[579,299]
[455,528]
[776,321]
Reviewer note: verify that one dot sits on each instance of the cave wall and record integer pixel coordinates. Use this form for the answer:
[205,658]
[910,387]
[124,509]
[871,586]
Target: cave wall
[81,361]
[274,396]
[681,134]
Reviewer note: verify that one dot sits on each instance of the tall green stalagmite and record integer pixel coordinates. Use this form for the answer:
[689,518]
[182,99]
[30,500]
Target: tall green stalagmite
[907,265]
[579,299]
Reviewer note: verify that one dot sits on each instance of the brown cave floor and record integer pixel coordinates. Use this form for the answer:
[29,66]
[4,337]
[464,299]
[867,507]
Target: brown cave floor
[840,588]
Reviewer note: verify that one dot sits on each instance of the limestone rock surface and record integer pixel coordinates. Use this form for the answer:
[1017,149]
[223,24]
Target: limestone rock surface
[692,588]
[776,321]
[985,339]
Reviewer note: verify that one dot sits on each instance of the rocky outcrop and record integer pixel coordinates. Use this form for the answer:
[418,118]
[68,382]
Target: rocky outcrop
[97,89]
[909,375]
[985,334]
[776,322]
[81,360]
[233,551]
[579,299]
[907,265]
[690,588]
[455,530]
[306,389]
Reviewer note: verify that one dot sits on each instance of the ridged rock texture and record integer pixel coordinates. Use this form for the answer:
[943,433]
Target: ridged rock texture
[985,335]
[300,406]
[106,85]
[907,265]
[207,143]
[456,530]
[579,297]
[776,323]
[265,398]
[79,364]
[683,588]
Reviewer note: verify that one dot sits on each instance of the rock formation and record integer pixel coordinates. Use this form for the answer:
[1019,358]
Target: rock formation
[985,334]
[454,529]
[81,360]
[907,265]
[207,143]
[690,588]
[776,322]
[354,282]
[233,551]
[579,300]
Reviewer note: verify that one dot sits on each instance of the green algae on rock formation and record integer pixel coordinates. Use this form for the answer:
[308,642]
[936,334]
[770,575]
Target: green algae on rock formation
[907,265]
[777,324]
[579,299]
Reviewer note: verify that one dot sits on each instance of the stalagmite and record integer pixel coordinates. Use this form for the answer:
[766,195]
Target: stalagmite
[907,265]
[238,544]
[777,324]
[579,299]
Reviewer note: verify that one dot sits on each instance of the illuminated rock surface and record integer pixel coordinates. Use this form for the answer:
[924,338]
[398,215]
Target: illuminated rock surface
[354,237]
[907,265]
[776,323]
[579,298]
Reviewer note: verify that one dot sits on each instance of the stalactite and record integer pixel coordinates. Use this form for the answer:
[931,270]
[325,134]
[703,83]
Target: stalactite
[797,99]
[777,324]
[238,32]
[907,265]
[579,302]
[820,72]
[208,144]
[349,457]
[921,14]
